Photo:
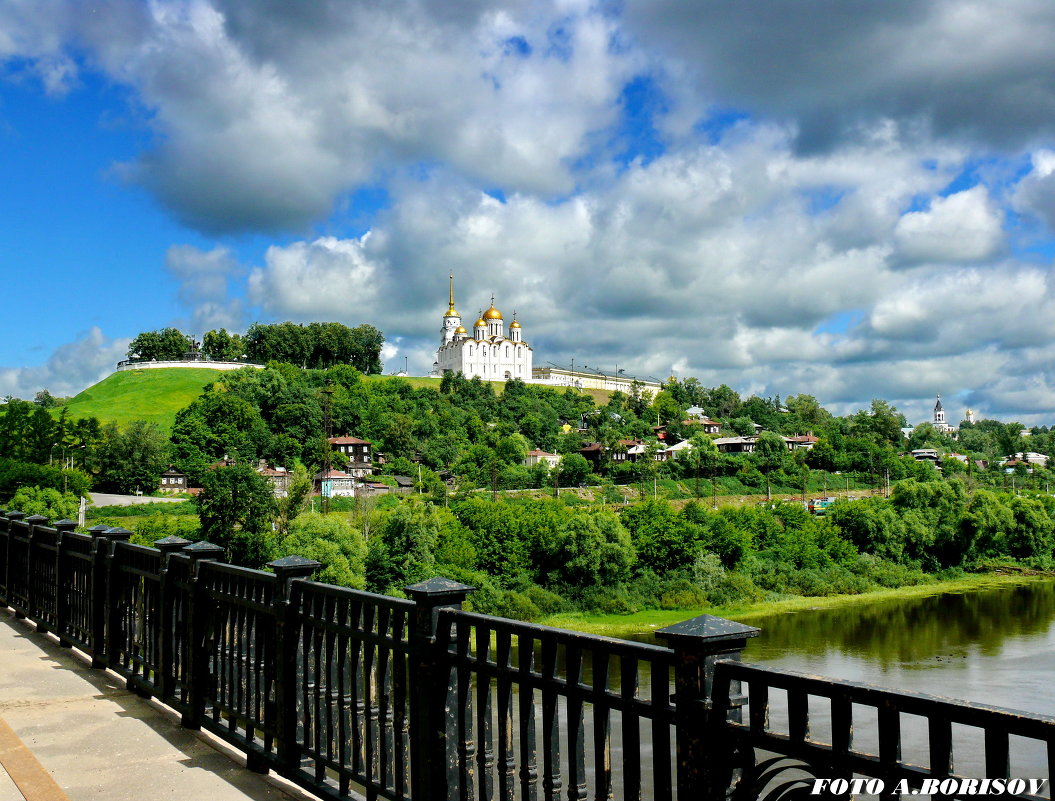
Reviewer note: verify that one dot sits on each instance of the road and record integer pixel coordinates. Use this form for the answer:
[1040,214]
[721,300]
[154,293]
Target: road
[106,499]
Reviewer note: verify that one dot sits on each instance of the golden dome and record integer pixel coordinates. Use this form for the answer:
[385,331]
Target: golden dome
[481,323]
[460,330]
[492,313]
[514,324]
[451,312]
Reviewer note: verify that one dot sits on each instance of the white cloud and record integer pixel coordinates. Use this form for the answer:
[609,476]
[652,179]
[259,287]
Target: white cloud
[329,278]
[963,227]
[70,368]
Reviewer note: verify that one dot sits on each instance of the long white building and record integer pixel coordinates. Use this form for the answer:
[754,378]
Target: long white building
[489,352]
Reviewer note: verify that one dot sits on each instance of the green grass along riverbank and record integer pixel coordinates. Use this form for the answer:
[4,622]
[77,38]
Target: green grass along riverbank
[629,626]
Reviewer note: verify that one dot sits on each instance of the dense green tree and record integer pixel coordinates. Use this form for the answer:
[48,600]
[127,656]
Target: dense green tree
[329,540]
[222,346]
[236,507]
[573,470]
[133,458]
[168,344]
[51,503]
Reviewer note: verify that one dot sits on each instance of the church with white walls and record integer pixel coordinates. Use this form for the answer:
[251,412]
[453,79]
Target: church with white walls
[489,352]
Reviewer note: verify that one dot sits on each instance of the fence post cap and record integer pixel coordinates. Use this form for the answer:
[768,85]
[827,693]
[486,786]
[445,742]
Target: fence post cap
[169,544]
[294,566]
[706,632]
[439,590]
[116,533]
[65,524]
[37,520]
[13,515]
[98,529]
[202,550]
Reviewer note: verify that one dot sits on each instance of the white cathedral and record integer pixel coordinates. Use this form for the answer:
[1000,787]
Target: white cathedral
[488,352]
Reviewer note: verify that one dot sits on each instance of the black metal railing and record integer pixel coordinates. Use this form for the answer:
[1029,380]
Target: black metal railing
[348,693]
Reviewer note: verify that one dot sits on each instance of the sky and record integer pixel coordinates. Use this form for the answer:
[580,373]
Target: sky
[843,198]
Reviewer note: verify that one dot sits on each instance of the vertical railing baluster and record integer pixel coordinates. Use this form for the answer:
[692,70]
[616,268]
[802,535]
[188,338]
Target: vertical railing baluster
[631,728]
[602,725]
[369,700]
[528,757]
[576,724]
[356,706]
[466,740]
[341,620]
[551,777]
[485,755]
[384,691]
[399,703]
[504,692]
[758,710]
[997,753]
[662,784]
[842,728]
[798,715]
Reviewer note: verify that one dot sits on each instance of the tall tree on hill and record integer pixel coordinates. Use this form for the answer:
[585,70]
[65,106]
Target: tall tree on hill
[168,344]
[222,346]
[236,507]
[132,458]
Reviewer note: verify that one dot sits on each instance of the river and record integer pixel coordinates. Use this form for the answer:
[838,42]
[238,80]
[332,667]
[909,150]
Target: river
[992,646]
[996,646]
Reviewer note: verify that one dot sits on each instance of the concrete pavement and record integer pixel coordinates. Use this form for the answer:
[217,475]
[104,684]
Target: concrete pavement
[93,740]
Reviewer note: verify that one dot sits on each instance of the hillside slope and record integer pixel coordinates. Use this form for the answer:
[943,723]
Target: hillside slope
[153,395]
[156,395]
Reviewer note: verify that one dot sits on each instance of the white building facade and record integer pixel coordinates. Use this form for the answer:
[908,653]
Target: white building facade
[489,352]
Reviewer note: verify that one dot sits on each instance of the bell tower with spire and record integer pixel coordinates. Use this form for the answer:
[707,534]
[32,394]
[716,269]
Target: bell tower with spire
[939,416]
[452,321]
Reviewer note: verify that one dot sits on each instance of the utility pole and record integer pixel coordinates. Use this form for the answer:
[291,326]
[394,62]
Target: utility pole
[327,457]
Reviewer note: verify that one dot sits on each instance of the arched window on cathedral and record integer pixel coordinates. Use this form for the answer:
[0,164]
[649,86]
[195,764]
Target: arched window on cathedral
[470,350]
[507,351]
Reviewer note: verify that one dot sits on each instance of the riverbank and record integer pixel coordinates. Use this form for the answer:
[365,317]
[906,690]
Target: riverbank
[641,623]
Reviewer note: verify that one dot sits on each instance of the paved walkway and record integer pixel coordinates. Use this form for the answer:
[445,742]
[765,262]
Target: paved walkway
[69,733]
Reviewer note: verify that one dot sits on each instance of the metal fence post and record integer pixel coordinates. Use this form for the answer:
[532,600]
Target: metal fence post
[101,538]
[34,591]
[287,632]
[198,633]
[10,516]
[114,593]
[63,582]
[166,648]
[705,762]
[433,695]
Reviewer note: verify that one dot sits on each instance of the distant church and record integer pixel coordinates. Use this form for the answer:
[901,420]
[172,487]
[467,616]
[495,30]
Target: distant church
[488,353]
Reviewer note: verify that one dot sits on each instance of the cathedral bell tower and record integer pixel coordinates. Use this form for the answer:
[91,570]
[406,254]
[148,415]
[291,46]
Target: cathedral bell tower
[452,321]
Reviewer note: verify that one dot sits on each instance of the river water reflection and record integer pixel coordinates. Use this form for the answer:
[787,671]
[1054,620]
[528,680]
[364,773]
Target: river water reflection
[993,646]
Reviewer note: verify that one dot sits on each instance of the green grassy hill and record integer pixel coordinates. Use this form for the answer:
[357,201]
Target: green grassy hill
[153,395]
[156,395]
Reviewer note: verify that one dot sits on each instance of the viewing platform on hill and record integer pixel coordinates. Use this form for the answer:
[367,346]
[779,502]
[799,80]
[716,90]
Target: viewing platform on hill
[133,364]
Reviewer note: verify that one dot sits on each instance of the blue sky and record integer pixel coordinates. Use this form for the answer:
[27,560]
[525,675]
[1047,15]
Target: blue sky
[852,208]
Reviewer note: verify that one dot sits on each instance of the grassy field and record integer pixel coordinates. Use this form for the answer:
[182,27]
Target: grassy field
[628,626]
[152,395]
